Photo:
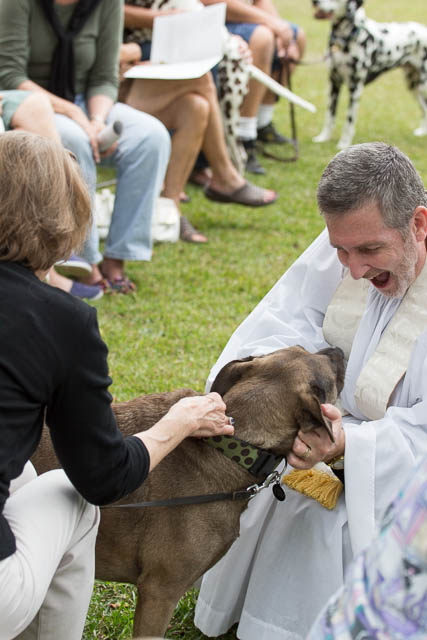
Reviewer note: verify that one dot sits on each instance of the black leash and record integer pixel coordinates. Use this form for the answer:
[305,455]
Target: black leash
[293,140]
[242,494]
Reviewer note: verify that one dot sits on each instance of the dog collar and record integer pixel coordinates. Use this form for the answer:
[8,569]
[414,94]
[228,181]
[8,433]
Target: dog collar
[259,462]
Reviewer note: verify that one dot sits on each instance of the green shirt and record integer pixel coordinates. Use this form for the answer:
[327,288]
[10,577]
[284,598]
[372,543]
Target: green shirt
[28,42]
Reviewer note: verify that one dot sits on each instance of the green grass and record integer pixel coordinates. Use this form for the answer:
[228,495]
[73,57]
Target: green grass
[190,298]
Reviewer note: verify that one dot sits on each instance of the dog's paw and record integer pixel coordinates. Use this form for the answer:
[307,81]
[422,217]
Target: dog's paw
[323,136]
[421,131]
[343,144]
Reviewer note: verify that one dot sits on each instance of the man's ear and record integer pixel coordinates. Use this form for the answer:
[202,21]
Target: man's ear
[310,417]
[419,220]
[230,374]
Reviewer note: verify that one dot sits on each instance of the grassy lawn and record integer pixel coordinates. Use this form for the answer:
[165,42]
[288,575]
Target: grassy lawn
[190,298]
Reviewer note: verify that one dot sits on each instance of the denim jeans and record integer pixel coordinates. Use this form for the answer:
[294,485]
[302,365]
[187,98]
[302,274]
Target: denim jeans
[141,160]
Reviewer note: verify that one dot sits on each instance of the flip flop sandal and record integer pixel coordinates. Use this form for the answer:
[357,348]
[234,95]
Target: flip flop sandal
[248,195]
[184,197]
[187,232]
[118,285]
[122,285]
[104,285]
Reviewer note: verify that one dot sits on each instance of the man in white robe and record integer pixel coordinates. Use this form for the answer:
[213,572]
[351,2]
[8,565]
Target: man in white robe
[291,556]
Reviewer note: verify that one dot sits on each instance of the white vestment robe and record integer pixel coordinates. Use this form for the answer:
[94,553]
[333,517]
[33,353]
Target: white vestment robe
[291,556]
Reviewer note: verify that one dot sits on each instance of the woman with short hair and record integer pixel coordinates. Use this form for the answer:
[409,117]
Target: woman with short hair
[53,370]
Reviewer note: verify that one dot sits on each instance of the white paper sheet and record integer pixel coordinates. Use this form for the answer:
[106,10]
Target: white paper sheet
[184,45]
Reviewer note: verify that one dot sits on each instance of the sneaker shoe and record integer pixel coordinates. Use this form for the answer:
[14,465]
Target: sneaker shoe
[252,164]
[87,291]
[269,133]
[74,267]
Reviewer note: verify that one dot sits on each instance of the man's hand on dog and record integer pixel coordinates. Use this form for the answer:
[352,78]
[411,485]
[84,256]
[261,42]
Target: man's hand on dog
[315,446]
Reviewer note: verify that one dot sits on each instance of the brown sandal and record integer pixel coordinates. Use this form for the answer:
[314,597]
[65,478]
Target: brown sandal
[188,233]
[248,194]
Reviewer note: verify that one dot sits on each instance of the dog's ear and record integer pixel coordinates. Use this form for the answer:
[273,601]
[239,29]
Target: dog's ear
[310,417]
[352,7]
[229,375]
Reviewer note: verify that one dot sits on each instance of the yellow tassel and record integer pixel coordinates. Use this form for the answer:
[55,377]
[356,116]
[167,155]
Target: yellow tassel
[322,486]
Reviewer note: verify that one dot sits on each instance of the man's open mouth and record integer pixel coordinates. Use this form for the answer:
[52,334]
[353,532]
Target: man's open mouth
[381,279]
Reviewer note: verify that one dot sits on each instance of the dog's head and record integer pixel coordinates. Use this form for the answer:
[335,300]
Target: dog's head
[272,397]
[333,9]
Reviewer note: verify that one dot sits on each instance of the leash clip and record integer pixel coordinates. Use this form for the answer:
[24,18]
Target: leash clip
[254,489]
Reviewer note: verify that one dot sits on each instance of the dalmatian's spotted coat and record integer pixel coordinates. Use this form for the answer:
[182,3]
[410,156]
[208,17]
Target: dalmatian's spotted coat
[232,77]
[361,49]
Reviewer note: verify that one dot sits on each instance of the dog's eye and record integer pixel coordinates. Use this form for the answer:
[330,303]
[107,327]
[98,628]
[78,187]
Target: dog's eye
[319,392]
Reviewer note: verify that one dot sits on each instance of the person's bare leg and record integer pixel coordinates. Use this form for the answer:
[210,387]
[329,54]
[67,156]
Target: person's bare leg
[36,115]
[112,269]
[225,177]
[188,118]
[56,280]
[152,97]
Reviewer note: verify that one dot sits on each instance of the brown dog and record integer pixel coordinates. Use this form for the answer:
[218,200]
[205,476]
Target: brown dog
[164,550]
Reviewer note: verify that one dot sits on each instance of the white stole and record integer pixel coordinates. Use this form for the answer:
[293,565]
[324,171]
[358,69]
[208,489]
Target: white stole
[388,363]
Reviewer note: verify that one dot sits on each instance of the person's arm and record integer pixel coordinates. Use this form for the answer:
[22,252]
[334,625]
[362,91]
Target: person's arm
[142,18]
[15,48]
[103,78]
[102,464]
[240,11]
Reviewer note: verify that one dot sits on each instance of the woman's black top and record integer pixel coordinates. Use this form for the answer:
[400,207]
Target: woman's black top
[53,367]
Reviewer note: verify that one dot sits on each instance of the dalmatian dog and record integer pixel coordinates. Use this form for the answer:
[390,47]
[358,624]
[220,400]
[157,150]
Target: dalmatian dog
[361,49]
[232,73]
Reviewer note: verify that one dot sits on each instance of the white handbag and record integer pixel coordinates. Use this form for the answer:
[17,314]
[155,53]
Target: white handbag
[165,223]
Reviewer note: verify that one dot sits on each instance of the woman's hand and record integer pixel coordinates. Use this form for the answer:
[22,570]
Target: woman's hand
[315,446]
[204,415]
[197,416]
[284,35]
[91,128]
[244,50]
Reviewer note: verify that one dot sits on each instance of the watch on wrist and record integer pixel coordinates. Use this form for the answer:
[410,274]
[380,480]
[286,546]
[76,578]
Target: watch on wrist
[336,463]
[98,118]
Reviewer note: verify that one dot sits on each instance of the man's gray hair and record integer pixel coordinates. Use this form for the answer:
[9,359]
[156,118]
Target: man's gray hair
[373,172]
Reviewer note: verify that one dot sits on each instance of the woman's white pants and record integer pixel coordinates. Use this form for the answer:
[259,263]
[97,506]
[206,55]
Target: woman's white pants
[46,585]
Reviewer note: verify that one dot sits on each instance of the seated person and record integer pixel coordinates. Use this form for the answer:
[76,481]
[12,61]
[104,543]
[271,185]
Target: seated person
[69,51]
[361,286]
[271,40]
[190,109]
[33,112]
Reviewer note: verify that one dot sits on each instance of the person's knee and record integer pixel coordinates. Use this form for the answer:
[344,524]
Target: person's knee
[158,141]
[195,109]
[75,139]
[206,86]
[262,44]
[36,107]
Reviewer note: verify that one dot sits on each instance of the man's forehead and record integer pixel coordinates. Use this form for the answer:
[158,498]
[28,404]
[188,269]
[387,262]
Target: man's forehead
[362,227]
